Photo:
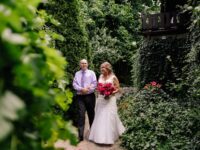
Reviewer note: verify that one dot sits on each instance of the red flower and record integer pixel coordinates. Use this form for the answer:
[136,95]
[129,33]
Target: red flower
[152,86]
[153,83]
[105,89]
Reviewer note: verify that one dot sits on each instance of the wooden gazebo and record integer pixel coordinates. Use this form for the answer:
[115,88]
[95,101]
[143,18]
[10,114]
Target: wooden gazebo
[170,20]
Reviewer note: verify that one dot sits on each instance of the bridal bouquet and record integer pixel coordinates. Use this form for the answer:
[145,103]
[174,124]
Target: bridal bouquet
[105,89]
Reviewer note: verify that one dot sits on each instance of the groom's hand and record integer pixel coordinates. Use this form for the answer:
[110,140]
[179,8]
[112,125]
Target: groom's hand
[85,90]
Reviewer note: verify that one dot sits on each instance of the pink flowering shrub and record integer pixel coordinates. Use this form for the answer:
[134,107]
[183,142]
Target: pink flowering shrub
[152,86]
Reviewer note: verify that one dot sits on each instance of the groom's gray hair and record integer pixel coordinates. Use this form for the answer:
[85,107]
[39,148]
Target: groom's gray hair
[83,60]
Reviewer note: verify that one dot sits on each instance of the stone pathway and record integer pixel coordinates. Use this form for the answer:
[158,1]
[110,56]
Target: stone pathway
[85,144]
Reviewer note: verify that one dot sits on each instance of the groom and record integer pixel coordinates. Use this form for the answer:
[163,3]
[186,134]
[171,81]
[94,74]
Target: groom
[85,83]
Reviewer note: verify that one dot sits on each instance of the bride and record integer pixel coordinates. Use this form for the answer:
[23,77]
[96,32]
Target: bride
[106,127]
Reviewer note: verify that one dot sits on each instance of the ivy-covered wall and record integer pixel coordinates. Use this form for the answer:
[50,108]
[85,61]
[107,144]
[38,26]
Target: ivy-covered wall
[75,46]
[162,60]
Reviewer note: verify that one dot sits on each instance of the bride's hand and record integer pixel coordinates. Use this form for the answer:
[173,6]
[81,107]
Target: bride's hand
[115,91]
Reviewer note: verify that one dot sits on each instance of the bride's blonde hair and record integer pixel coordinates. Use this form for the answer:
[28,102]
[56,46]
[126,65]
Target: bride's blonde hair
[108,67]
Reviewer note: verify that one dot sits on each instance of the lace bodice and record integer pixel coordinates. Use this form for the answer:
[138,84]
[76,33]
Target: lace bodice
[109,80]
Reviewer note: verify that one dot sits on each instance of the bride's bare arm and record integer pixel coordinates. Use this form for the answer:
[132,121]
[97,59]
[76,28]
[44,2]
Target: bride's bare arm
[116,85]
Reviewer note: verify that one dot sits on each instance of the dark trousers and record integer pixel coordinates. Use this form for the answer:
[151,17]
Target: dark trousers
[85,103]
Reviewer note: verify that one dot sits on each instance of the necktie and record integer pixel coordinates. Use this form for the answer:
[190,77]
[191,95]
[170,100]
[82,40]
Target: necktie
[82,78]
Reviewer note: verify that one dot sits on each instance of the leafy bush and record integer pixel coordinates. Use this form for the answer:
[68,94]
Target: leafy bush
[76,44]
[105,49]
[187,90]
[28,68]
[189,82]
[162,59]
[112,28]
[154,120]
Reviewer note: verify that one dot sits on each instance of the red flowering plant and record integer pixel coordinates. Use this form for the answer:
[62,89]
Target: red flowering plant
[105,89]
[152,92]
[152,86]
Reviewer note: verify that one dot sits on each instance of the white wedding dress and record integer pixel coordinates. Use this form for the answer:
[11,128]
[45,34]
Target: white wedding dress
[106,127]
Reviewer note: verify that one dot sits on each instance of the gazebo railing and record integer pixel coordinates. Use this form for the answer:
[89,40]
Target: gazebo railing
[162,21]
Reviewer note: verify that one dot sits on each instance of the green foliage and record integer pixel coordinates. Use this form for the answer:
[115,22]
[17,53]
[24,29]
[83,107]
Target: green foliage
[135,71]
[10,105]
[105,49]
[28,68]
[113,28]
[194,55]
[162,60]
[75,46]
[193,77]
[188,87]
[187,90]
[153,8]
[154,120]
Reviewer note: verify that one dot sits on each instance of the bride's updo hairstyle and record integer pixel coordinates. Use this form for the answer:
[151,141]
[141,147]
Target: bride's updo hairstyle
[108,67]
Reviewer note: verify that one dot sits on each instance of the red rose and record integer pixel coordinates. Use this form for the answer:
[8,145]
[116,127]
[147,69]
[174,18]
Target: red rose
[105,89]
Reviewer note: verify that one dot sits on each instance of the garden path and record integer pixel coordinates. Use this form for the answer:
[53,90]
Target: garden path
[88,145]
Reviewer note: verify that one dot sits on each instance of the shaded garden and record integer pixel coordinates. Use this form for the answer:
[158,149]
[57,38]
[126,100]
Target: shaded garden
[41,43]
